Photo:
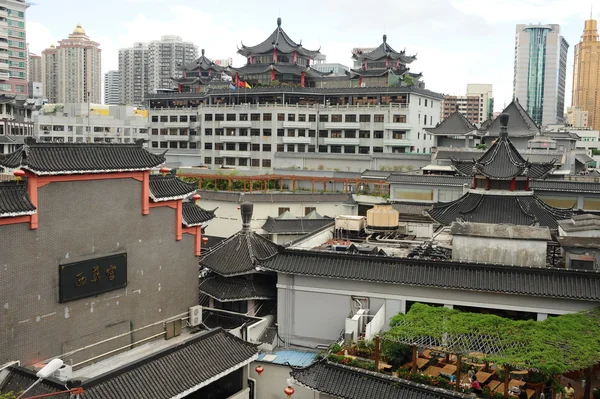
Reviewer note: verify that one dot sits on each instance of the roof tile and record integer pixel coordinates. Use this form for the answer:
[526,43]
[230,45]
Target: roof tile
[169,187]
[14,200]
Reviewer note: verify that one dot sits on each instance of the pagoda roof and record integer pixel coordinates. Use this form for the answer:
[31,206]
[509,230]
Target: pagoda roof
[193,215]
[231,289]
[169,187]
[499,207]
[192,80]
[278,40]
[520,124]
[281,68]
[455,124]
[502,161]
[14,200]
[202,63]
[384,51]
[77,158]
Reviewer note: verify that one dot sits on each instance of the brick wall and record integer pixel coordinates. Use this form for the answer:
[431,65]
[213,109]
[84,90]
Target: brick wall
[86,220]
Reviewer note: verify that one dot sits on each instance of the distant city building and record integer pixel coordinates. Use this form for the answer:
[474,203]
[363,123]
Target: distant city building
[35,68]
[15,122]
[477,106]
[133,73]
[13,47]
[540,72]
[336,69]
[72,70]
[577,117]
[320,59]
[586,74]
[111,88]
[200,73]
[164,58]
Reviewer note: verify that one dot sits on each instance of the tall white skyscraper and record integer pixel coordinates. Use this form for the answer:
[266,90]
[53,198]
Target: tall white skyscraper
[133,74]
[111,88]
[13,47]
[540,72]
[164,56]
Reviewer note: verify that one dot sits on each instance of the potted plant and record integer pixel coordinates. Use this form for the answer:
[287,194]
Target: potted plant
[596,393]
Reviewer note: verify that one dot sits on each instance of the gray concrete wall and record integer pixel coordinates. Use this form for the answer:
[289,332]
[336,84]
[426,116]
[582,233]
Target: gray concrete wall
[273,380]
[521,252]
[312,310]
[87,220]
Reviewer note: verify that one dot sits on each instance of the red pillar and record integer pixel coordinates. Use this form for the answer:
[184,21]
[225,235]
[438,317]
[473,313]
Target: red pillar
[513,184]
[527,184]
[295,57]
[302,79]
[274,55]
[474,182]
[360,81]
[179,221]
[145,193]
[32,188]
[272,75]
[179,88]
[197,237]
[487,183]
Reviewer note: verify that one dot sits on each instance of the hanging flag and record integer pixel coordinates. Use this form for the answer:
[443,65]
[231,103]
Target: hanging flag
[231,86]
[247,86]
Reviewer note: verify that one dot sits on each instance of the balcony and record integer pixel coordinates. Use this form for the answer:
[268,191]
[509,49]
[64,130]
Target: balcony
[4,55]
[341,141]
[234,154]
[296,140]
[296,125]
[234,139]
[246,124]
[397,126]
[341,125]
[397,142]
[4,63]
[4,75]
[4,45]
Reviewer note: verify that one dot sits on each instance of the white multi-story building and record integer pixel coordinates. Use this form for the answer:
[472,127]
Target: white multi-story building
[133,73]
[34,63]
[90,123]
[577,117]
[72,70]
[164,57]
[477,106]
[13,47]
[374,122]
[111,88]
[540,72]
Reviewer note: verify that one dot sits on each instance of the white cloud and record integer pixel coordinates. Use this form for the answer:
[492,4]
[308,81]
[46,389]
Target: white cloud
[39,37]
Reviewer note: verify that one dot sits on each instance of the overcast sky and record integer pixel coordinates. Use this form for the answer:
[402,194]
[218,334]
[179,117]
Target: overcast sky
[456,41]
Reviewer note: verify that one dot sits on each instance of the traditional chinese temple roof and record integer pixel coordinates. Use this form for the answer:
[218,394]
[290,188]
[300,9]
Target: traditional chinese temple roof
[169,187]
[76,158]
[14,200]
[193,215]
[281,68]
[202,63]
[454,125]
[481,206]
[384,51]
[520,124]
[228,289]
[502,161]
[277,40]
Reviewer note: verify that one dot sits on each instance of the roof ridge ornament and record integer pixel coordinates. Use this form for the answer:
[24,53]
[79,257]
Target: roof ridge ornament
[504,117]
[279,22]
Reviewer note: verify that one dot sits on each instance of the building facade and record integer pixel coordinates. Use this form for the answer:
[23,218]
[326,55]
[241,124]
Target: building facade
[586,74]
[334,68]
[540,70]
[72,70]
[112,86]
[133,74]
[35,68]
[164,56]
[13,47]
[214,130]
[477,106]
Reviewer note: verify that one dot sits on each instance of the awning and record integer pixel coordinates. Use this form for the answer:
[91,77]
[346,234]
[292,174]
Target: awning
[583,158]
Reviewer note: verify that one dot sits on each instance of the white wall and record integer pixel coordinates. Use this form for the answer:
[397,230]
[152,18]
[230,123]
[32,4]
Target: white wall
[519,252]
[376,324]
[273,380]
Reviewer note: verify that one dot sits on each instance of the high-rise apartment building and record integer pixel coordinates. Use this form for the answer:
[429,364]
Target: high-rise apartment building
[586,74]
[112,88]
[133,74]
[72,70]
[477,106]
[164,56]
[35,68]
[540,72]
[13,47]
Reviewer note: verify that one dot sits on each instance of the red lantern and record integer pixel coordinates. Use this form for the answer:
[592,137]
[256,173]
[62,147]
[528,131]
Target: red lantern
[19,174]
[259,369]
[196,197]
[238,208]
[289,391]
[164,171]
[205,240]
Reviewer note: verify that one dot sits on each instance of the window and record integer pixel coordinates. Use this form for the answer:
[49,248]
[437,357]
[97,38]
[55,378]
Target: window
[183,118]
[267,117]
[364,134]
[365,118]
[323,118]
[282,210]
[163,144]
[230,161]
[312,118]
[243,132]
[425,102]
[582,264]
[419,100]
[335,149]
[301,133]
[154,132]
[207,160]
[219,117]
[218,146]
[431,120]
[312,133]
[154,144]
[208,132]
[378,134]
[267,132]
[164,118]
[302,118]
[255,162]
[323,133]
[280,147]
[291,117]
[349,149]
[173,118]
[399,119]
[309,209]
[154,118]
[363,150]
[255,147]
[183,144]
[266,163]
[254,132]
[266,147]
[399,135]
[311,148]
[379,118]
[350,118]
[336,118]
[350,134]
[219,132]
[377,149]
[322,148]
[280,132]
[208,146]
[218,161]
[172,144]
[231,117]
[230,146]
[291,133]
[281,117]
[301,148]
[255,117]
[208,117]
[291,148]
[192,118]
[336,134]
[243,162]
[425,119]
[243,117]
[243,147]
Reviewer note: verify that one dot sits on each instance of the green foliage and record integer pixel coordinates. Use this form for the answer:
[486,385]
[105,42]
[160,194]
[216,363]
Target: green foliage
[595,151]
[408,80]
[553,346]
[596,393]
[481,146]
[397,354]
[8,395]
[348,361]
[335,348]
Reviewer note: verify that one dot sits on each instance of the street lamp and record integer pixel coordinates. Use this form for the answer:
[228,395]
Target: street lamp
[45,372]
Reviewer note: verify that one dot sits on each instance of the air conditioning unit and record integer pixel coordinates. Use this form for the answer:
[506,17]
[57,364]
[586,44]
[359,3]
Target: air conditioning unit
[65,372]
[195,315]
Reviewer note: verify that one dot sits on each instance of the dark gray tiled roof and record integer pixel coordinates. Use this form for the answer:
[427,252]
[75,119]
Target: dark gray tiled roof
[227,289]
[566,186]
[194,215]
[345,382]
[242,253]
[375,174]
[490,208]
[430,180]
[161,375]
[71,158]
[19,379]
[280,40]
[410,208]
[14,199]
[517,280]
[250,69]
[169,187]
[384,50]
[203,64]
[583,158]
[519,125]
[276,197]
[295,226]
[455,124]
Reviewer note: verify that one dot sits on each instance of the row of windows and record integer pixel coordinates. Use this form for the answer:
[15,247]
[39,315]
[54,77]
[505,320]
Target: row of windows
[174,144]
[397,118]
[266,163]
[333,149]
[426,102]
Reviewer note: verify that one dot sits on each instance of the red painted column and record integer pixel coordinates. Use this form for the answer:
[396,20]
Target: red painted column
[527,184]
[487,183]
[387,62]
[295,57]
[197,238]
[32,188]
[302,79]
[360,81]
[146,193]
[272,75]
[179,88]
[274,55]
[474,182]
[179,220]
[513,184]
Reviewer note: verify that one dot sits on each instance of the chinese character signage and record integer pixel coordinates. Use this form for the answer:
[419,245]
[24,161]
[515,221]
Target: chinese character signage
[92,277]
